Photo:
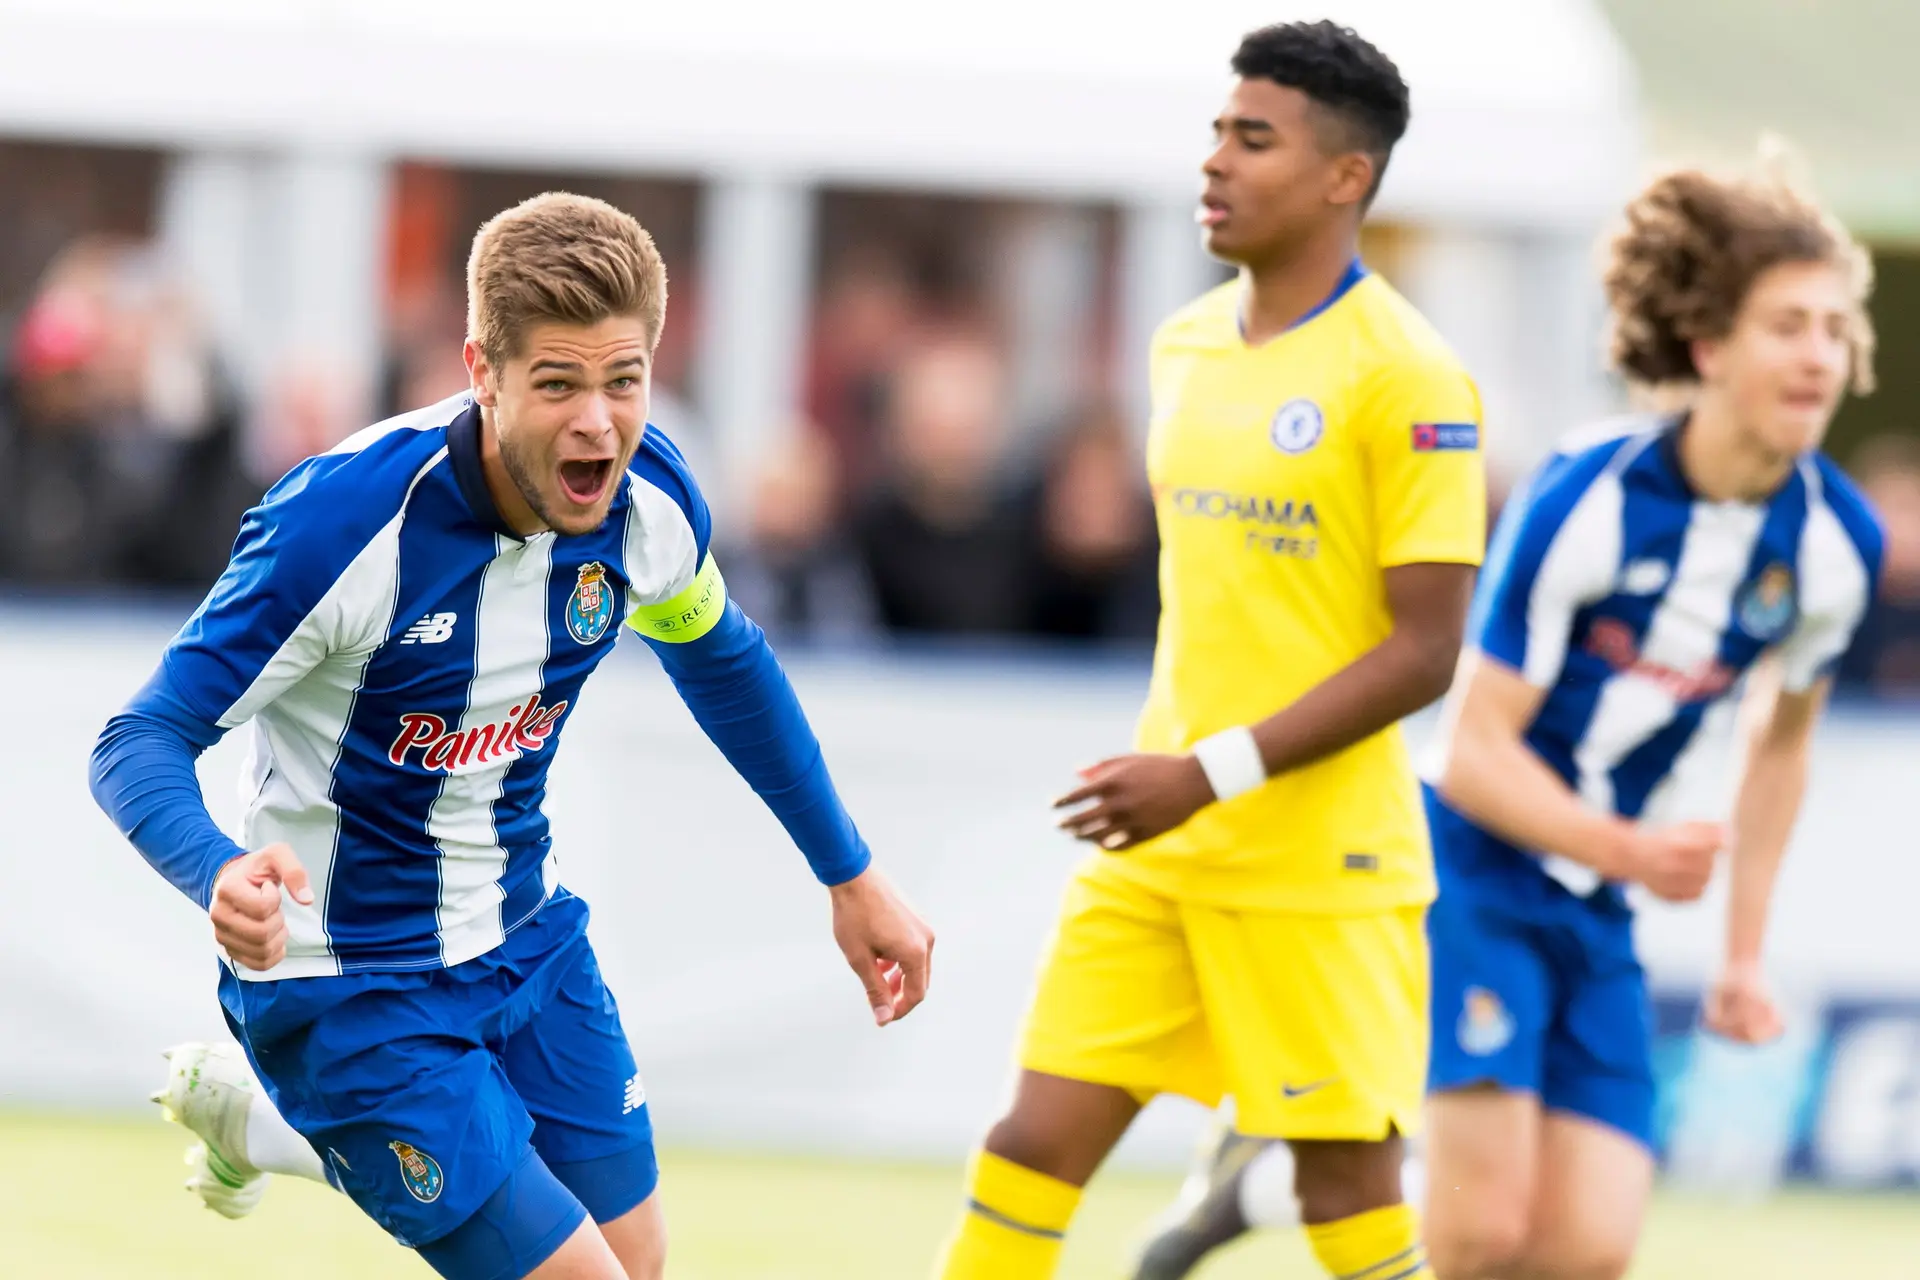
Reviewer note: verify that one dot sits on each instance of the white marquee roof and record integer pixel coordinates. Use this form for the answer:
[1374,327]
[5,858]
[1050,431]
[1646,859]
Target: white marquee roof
[1524,109]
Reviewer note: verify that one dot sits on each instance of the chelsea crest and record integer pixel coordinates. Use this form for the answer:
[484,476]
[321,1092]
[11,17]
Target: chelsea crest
[1296,426]
[590,608]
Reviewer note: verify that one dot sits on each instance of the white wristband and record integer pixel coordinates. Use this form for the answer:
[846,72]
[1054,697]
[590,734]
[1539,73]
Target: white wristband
[1231,760]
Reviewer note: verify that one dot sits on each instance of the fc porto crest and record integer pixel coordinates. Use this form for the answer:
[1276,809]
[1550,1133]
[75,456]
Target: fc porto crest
[590,609]
[420,1171]
[1297,426]
[1485,1026]
[1767,604]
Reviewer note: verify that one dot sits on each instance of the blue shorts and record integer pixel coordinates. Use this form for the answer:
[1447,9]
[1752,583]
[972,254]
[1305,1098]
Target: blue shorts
[1536,989]
[427,1093]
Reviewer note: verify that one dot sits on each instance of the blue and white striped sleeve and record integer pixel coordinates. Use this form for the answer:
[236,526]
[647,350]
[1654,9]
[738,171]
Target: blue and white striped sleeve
[1841,550]
[722,665]
[1557,547]
[271,617]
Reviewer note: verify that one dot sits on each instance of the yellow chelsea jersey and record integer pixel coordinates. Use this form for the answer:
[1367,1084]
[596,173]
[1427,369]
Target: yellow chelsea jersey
[1286,477]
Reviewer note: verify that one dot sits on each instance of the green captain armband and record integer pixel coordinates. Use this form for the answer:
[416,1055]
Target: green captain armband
[687,616]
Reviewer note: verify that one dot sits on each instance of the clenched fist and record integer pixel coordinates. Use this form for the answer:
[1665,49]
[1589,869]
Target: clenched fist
[247,922]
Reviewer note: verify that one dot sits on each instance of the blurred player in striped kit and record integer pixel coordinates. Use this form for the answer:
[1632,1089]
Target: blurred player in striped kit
[1637,578]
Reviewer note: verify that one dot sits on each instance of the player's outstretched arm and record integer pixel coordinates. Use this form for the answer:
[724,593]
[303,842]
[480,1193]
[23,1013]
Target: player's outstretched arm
[726,673]
[729,678]
[1493,777]
[1777,732]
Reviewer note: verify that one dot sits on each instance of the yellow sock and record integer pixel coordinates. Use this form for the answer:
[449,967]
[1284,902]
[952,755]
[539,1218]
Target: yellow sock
[1015,1222]
[1380,1244]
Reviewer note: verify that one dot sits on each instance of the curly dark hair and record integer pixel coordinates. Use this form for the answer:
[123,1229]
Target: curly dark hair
[1691,248]
[1354,83]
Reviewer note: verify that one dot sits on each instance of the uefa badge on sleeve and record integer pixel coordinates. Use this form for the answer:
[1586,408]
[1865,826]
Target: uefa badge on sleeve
[590,609]
[1297,426]
[1446,437]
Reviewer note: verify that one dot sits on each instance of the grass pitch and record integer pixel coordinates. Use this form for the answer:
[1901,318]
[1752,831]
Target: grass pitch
[99,1198]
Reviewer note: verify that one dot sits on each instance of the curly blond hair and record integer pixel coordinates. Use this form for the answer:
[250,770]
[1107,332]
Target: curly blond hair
[1691,248]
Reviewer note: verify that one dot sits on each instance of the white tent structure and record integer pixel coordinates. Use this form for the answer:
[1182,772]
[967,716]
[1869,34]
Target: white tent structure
[286,116]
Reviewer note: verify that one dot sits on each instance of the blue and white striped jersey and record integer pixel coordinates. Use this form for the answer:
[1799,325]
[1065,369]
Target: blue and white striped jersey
[407,664]
[1635,605]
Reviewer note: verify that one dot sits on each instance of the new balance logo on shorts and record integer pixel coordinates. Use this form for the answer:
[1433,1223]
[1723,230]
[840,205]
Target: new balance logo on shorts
[636,1097]
[435,628]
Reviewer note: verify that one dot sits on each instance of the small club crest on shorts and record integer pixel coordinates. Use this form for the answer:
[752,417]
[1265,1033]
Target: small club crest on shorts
[1485,1026]
[590,608]
[420,1171]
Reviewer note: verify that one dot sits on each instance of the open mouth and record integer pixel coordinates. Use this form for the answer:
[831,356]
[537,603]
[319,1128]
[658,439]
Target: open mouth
[1812,398]
[1211,213]
[584,480]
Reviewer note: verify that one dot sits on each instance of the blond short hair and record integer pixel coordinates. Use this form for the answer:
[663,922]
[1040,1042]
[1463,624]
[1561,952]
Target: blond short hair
[560,258]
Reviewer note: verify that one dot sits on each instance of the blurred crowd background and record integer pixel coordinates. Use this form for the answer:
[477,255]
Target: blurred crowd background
[908,490]
[951,445]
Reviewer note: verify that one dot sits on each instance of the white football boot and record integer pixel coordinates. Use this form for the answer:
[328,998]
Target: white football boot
[210,1090]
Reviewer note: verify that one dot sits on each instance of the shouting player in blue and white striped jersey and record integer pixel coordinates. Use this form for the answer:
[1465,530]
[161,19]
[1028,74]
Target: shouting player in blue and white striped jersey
[1631,585]
[407,623]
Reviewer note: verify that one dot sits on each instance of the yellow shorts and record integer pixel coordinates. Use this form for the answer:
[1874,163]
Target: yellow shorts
[1316,1025]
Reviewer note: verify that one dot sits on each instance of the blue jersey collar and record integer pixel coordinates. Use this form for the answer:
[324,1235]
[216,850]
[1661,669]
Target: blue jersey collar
[1668,445]
[463,450]
[1356,272]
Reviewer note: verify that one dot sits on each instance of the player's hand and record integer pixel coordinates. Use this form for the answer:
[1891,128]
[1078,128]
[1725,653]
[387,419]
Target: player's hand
[1676,862]
[1740,1007]
[246,905]
[1130,799]
[889,947]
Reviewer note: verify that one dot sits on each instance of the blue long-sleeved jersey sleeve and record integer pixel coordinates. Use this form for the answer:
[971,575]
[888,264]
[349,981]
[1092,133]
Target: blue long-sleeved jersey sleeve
[142,775]
[738,692]
[734,685]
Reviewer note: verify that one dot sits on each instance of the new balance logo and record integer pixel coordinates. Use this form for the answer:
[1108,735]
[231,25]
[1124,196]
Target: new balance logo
[636,1097]
[435,628]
